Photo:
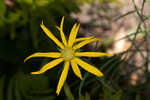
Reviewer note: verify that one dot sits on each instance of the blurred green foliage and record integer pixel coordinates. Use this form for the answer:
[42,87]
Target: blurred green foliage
[99,1]
[21,35]
[20,23]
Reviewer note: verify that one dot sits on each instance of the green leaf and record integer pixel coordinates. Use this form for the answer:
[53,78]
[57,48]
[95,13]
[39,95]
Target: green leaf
[23,87]
[12,32]
[117,95]
[109,1]
[6,52]
[10,89]
[68,92]
[2,83]
[2,8]
[107,94]
[43,2]
[1,24]
[82,83]
[102,80]
[13,17]
[34,87]
[81,97]
[109,62]
[17,91]
[34,31]
[30,2]
[138,97]
[87,96]
[89,1]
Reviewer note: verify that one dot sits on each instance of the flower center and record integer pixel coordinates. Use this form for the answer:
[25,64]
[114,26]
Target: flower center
[67,53]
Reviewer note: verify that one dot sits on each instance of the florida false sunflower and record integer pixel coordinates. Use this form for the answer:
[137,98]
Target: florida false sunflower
[69,54]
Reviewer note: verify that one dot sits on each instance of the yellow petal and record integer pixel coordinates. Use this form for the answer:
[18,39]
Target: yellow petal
[92,54]
[81,44]
[61,32]
[51,36]
[63,77]
[40,54]
[88,67]
[76,69]
[73,35]
[48,66]
[84,38]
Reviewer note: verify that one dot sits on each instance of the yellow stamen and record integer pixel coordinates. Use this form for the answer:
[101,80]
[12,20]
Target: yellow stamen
[67,53]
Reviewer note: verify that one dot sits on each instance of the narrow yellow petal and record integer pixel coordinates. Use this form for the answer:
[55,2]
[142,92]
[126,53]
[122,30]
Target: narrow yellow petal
[48,66]
[47,54]
[92,54]
[84,38]
[61,32]
[88,67]
[76,69]
[73,35]
[81,44]
[63,77]
[51,36]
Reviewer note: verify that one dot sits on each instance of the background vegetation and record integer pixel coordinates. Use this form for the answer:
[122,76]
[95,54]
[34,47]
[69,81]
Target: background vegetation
[21,35]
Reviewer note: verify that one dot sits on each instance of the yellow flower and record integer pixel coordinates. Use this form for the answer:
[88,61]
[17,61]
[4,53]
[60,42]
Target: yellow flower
[68,54]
